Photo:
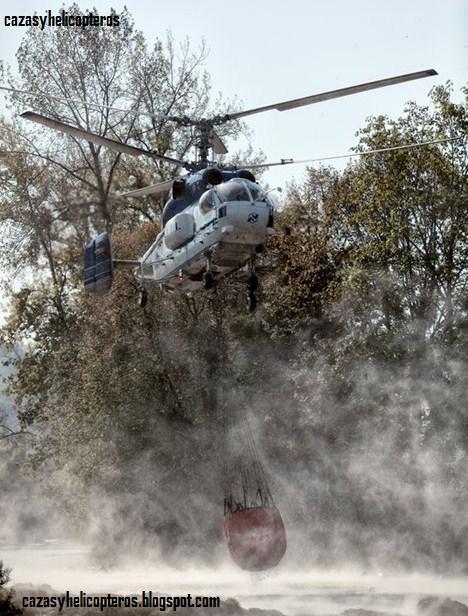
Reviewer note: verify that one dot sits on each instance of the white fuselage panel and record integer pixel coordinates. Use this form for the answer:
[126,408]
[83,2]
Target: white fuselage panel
[225,236]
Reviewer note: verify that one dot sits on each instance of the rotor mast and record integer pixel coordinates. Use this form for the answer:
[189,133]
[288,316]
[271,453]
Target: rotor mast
[203,145]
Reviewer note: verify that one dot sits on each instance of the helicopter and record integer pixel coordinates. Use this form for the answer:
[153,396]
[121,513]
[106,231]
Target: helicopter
[217,218]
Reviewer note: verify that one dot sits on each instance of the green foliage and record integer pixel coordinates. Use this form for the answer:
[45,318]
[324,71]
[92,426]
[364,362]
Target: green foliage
[4,574]
[371,286]
[6,606]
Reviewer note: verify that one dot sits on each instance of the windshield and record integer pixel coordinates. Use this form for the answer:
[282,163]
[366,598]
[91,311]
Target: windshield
[233,190]
[207,200]
[237,190]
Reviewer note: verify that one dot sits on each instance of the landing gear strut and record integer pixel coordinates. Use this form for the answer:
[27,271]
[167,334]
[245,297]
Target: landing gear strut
[252,286]
[208,278]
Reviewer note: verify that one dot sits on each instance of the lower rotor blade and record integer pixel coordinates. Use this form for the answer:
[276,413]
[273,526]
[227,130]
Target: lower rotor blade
[291,161]
[154,189]
[80,133]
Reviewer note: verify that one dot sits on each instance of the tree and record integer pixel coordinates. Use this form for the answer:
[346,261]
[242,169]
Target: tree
[371,292]
[102,383]
[409,216]
[6,606]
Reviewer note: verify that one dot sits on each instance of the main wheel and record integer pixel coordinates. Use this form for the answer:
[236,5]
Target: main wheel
[252,283]
[142,297]
[208,281]
[251,302]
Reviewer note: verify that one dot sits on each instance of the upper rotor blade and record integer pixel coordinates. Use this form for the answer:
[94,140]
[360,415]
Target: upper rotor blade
[290,161]
[60,99]
[325,96]
[95,106]
[154,189]
[217,144]
[117,146]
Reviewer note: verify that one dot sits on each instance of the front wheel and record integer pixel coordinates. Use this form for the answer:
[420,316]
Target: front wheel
[208,281]
[142,297]
[251,302]
[252,283]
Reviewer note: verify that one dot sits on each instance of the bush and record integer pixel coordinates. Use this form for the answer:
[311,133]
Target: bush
[6,606]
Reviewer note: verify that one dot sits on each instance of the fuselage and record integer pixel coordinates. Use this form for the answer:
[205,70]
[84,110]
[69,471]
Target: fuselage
[216,228]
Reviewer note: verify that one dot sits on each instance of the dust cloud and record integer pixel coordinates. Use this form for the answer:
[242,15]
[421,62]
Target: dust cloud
[373,496]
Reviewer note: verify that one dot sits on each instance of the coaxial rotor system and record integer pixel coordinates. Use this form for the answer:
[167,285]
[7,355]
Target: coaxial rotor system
[206,137]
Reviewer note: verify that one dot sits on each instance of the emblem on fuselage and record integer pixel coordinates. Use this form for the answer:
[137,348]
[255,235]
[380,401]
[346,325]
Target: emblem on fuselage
[252,217]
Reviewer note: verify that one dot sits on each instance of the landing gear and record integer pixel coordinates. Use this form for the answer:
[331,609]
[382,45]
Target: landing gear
[208,281]
[142,297]
[252,286]
[251,301]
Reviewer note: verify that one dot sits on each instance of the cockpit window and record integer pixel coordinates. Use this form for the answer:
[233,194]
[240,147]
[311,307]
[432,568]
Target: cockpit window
[238,189]
[207,200]
[233,190]
[256,192]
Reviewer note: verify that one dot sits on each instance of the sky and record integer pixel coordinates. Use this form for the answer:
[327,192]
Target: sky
[267,51]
